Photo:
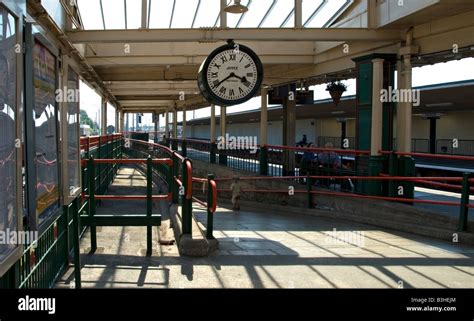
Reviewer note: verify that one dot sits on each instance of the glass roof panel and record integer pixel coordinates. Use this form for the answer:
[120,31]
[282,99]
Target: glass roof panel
[55,10]
[91,14]
[207,13]
[184,12]
[114,14]
[309,7]
[160,13]
[278,14]
[134,14]
[257,10]
[290,21]
[326,13]
[233,18]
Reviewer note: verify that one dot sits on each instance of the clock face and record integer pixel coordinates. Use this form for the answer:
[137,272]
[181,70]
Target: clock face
[231,75]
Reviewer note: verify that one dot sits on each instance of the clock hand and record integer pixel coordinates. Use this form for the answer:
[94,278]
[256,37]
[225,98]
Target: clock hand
[230,76]
[241,78]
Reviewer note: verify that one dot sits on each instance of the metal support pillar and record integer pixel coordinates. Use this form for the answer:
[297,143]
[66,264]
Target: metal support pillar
[263,155]
[212,135]
[289,133]
[223,126]
[103,118]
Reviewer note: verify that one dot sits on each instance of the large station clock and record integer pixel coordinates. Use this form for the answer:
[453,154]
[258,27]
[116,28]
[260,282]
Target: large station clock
[230,75]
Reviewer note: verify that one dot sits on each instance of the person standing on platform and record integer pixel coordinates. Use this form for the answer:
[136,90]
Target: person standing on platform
[303,142]
[236,190]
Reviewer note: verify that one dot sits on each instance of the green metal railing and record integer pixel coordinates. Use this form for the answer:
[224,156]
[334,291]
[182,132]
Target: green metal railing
[43,262]
[179,179]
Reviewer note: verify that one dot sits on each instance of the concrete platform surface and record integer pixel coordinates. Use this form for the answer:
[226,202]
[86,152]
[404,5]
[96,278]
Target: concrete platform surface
[271,250]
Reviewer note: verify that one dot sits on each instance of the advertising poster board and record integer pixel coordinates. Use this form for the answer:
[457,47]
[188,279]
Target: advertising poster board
[46,133]
[10,193]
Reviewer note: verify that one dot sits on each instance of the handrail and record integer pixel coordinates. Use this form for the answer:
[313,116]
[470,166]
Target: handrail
[166,149]
[189,177]
[320,149]
[451,157]
[213,206]
[91,141]
[92,161]
[186,181]
[142,132]
[201,141]
[384,198]
[464,205]
[382,178]
[166,161]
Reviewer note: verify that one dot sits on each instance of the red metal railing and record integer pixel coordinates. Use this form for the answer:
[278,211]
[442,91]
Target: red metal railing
[89,142]
[320,150]
[435,156]
[184,180]
[165,161]
[463,205]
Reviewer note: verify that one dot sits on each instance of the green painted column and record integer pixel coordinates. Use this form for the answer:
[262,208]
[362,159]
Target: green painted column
[223,147]
[263,155]
[289,133]
[212,135]
[167,125]
[405,164]
[374,124]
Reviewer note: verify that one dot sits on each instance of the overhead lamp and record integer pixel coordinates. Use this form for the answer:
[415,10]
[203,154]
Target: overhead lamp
[236,8]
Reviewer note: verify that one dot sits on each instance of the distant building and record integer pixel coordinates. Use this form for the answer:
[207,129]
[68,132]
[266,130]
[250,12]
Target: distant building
[86,130]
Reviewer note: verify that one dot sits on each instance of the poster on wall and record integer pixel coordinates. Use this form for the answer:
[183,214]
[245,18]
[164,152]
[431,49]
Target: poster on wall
[10,248]
[73,179]
[46,125]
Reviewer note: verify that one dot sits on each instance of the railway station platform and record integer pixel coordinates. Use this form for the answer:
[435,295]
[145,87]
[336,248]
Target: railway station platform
[343,127]
[266,249]
[236,144]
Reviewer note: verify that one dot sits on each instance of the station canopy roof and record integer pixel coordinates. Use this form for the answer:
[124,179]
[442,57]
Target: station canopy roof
[298,41]
[127,14]
[158,67]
